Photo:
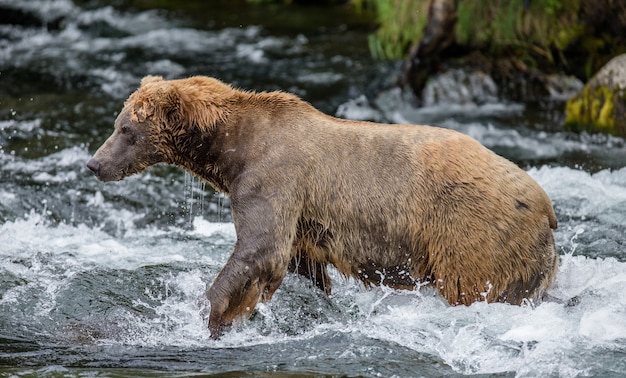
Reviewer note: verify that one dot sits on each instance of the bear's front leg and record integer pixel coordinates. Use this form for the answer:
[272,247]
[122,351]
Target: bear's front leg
[257,266]
[236,291]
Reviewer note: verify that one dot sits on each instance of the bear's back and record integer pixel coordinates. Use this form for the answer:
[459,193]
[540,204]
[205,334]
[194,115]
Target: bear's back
[448,208]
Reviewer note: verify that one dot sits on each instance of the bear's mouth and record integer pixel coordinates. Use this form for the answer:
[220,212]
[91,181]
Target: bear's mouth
[101,174]
[94,166]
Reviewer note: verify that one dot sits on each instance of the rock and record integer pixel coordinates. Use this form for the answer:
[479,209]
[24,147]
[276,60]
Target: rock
[561,86]
[457,86]
[601,105]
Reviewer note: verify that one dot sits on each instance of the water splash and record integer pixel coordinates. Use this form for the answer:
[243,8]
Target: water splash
[94,276]
[157,303]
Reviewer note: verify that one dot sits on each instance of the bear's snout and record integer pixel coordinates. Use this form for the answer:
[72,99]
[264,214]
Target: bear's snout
[94,166]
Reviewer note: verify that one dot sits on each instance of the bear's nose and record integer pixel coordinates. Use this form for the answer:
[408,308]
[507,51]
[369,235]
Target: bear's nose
[94,166]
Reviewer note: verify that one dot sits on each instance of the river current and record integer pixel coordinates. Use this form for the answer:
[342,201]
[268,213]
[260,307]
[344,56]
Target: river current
[108,279]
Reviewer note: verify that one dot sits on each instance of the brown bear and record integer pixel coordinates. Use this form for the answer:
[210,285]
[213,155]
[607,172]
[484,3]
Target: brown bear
[395,205]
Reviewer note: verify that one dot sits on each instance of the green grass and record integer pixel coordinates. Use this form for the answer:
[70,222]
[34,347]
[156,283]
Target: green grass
[540,26]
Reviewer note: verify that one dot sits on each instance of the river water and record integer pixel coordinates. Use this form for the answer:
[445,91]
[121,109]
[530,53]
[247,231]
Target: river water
[108,279]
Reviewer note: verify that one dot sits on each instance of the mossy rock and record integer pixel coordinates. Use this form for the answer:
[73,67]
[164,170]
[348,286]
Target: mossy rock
[601,105]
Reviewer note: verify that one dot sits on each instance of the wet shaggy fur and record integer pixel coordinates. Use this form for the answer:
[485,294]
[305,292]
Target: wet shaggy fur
[398,205]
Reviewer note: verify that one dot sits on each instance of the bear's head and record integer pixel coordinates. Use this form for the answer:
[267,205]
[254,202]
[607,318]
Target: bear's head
[138,140]
[152,126]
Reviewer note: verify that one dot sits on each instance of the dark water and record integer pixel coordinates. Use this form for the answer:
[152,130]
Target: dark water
[108,279]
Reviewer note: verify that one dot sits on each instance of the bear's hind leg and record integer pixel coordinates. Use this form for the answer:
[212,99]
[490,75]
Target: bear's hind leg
[314,270]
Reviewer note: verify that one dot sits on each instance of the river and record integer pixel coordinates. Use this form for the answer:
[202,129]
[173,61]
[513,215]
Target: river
[108,279]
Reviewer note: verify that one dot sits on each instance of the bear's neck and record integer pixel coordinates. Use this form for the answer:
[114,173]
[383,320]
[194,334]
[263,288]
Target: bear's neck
[220,152]
[194,150]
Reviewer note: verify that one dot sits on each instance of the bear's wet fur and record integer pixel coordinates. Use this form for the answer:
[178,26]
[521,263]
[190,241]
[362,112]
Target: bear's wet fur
[398,205]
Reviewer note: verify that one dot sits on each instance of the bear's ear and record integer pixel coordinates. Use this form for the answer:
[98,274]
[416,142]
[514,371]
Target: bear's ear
[167,103]
[150,79]
[162,102]
[142,110]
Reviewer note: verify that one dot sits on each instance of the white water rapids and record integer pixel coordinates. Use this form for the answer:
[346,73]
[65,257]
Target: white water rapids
[108,279]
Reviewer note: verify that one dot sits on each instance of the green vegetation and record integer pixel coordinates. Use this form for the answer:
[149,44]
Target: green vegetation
[574,36]
[536,32]
[541,26]
[401,23]
[556,33]
[593,110]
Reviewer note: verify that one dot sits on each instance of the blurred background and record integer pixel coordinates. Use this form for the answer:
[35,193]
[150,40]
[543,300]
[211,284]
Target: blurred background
[109,278]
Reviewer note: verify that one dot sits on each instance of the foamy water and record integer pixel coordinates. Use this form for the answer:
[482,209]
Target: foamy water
[146,287]
[109,279]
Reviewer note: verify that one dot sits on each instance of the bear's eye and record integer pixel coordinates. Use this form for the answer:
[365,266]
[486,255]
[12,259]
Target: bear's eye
[124,130]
